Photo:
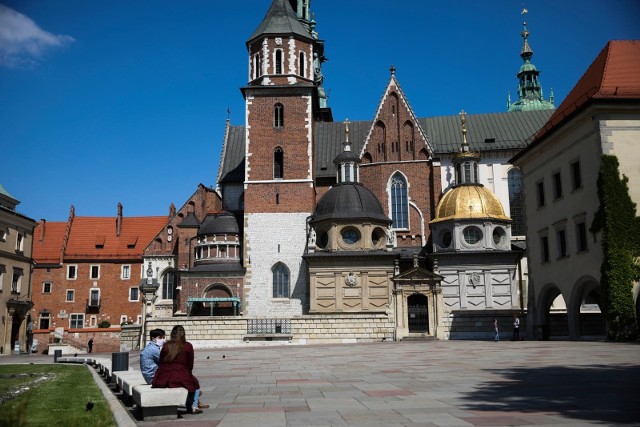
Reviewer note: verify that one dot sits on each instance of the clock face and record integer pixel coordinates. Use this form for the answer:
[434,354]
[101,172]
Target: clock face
[350,236]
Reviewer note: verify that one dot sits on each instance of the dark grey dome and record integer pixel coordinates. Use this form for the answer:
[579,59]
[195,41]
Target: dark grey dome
[220,223]
[349,201]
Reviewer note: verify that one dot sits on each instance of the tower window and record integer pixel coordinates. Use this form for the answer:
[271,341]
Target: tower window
[278,163]
[302,66]
[280,281]
[278,116]
[278,61]
[399,203]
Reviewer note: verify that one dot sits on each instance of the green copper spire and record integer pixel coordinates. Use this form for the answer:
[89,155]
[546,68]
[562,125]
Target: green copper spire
[529,87]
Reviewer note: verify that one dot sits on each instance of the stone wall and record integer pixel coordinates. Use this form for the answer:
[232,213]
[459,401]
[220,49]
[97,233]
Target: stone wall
[104,340]
[232,331]
[471,324]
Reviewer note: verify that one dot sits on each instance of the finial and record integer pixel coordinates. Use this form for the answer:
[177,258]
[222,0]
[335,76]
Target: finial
[463,125]
[551,97]
[508,100]
[527,52]
[393,70]
[347,144]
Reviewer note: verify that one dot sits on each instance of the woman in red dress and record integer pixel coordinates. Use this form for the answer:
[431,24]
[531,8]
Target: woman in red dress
[176,367]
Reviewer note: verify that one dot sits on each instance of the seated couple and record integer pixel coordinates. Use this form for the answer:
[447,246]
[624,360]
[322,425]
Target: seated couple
[170,364]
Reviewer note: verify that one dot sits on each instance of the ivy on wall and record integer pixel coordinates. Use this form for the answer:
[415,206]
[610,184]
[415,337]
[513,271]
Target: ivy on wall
[616,219]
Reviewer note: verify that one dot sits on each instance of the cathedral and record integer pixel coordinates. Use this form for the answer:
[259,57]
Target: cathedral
[392,228]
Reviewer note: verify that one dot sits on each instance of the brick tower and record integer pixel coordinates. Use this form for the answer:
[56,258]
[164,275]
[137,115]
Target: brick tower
[283,100]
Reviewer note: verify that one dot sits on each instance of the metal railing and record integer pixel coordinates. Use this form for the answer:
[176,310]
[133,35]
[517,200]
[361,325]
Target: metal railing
[269,326]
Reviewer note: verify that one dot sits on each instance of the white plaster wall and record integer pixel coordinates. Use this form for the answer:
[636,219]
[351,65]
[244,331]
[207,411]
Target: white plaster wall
[579,140]
[621,138]
[273,238]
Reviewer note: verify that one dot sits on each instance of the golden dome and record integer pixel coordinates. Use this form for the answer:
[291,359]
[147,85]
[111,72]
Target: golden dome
[469,202]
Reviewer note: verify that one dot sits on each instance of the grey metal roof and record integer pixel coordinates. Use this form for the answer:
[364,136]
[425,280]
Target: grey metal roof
[222,223]
[232,161]
[329,137]
[190,221]
[349,201]
[280,19]
[508,130]
[485,132]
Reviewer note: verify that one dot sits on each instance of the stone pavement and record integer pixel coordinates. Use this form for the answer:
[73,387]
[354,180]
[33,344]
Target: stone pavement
[434,383]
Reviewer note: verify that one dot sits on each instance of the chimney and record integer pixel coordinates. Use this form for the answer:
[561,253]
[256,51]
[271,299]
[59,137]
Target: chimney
[43,224]
[119,220]
[172,210]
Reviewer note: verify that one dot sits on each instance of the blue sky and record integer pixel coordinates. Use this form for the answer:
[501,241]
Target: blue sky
[126,101]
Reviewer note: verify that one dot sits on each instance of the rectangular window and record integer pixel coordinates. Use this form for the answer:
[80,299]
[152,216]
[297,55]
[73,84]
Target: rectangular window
[93,321]
[540,188]
[134,294]
[278,61]
[16,281]
[72,272]
[544,244]
[46,287]
[581,236]
[123,320]
[70,295]
[126,272]
[561,236]
[557,185]
[95,272]
[139,319]
[2,271]
[44,321]
[576,175]
[3,234]
[94,298]
[76,321]
[20,242]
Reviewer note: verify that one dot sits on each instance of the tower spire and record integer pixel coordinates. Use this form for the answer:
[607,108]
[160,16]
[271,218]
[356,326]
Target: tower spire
[529,87]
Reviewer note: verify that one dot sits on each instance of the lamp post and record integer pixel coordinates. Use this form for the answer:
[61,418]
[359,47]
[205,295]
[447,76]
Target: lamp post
[148,288]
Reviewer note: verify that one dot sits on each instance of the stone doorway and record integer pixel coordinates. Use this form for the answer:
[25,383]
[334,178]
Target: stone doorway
[418,313]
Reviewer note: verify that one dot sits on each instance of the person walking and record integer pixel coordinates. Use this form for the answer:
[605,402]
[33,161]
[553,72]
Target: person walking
[150,356]
[90,344]
[495,328]
[516,327]
[176,369]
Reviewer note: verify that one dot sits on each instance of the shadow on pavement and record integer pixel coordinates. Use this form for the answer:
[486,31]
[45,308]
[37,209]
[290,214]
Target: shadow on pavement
[592,392]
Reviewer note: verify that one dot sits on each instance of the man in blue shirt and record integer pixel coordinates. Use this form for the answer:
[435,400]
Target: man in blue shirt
[150,356]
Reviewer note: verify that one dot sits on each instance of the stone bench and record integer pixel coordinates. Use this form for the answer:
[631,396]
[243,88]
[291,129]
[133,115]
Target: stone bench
[76,359]
[125,381]
[158,402]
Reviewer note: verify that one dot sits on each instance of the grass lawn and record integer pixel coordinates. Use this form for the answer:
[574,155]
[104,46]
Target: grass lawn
[51,395]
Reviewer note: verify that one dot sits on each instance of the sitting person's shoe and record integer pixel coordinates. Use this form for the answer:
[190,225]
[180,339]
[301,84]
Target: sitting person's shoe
[202,405]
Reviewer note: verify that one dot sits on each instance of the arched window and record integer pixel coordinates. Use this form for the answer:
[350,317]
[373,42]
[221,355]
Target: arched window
[516,202]
[302,66]
[168,285]
[278,116]
[399,202]
[278,163]
[280,281]
[278,61]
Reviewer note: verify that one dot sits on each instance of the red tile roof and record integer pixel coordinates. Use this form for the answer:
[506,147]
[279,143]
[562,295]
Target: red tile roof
[613,75]
[48,250]
[96,238]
